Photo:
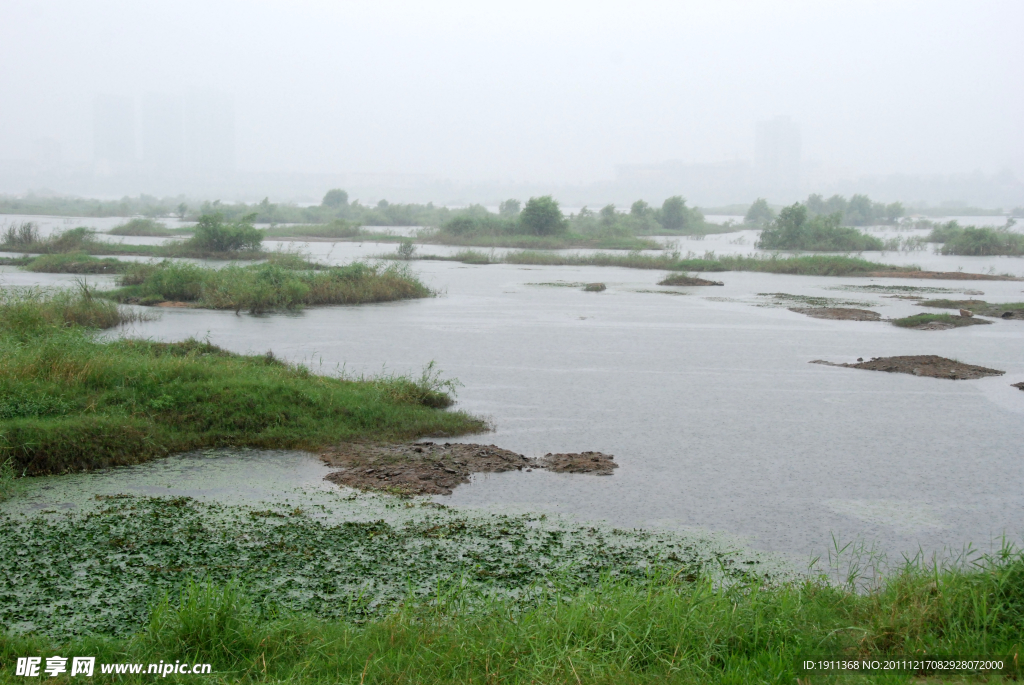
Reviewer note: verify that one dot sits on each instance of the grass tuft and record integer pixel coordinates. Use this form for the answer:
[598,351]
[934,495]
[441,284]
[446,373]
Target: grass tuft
[280,284]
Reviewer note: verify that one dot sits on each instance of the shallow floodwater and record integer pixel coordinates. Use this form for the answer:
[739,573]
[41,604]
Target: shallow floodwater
[704,395]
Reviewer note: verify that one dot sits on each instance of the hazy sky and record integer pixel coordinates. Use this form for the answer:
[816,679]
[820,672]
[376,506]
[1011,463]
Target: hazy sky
[535,91]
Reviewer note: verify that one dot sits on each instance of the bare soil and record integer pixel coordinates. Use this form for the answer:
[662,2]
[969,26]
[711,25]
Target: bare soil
[428,468]
[943,275]
[683,279]
[921,365]
[838,313]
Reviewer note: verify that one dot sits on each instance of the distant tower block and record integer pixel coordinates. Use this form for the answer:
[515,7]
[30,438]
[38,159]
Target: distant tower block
[777,156]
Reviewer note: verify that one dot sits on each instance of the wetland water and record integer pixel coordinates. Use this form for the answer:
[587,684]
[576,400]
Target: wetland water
[706,397]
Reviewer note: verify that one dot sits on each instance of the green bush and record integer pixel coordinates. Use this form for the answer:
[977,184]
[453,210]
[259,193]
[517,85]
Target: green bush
[212,234]
[981,242]
[793,229]
[261,288]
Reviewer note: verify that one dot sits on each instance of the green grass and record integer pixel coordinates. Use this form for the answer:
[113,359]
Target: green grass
[921,319]
[811,265]
[7,475]
[146,227]
[74,263]
[86,404]
[267,287]
[661,627]
[26,310]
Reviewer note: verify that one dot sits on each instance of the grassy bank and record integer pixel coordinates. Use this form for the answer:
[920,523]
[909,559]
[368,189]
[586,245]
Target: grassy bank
[212,238]
[73,263]
[923,319]
[82,404]
[808,265]
[267,287]
[289,598]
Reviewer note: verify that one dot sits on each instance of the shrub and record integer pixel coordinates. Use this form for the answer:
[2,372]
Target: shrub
[140,226]
[984,242]
[18,236]
[213,235]
[794,230]
[542,216]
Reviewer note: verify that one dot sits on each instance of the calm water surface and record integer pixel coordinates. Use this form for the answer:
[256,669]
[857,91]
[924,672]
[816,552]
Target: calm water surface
[705,396]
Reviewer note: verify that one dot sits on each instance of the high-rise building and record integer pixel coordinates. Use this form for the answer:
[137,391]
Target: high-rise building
[777,156]
[162,135]
[113,134]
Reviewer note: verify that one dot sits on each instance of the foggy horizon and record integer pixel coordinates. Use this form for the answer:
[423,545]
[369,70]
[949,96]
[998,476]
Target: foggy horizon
[521,94]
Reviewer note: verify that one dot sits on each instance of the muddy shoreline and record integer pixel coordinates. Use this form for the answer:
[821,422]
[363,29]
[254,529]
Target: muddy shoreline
[929,365]
[429,468]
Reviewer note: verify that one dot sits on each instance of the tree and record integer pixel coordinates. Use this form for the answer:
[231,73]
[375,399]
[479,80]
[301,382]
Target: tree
[182,210]
[759,213]
[509,209]
[674,214]
[608,215]
[893,211]
[639,209]
[542,216]
[859,212]
[335,199]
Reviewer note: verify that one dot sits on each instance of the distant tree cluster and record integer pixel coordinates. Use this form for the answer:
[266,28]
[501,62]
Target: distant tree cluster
[759,214]
[859,210]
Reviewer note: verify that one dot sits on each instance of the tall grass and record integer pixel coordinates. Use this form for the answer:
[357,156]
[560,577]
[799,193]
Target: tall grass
[7,477]
[267,287]
[74,263]
[83,404]
[29,310]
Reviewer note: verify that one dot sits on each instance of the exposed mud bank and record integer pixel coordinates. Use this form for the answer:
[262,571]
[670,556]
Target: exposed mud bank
[929,365]
[683,279]
[838,313]
[940,275]
[428,468]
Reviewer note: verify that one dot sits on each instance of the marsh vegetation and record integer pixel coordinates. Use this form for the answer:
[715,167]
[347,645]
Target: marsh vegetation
[84,404]
[280,284]
[975,241]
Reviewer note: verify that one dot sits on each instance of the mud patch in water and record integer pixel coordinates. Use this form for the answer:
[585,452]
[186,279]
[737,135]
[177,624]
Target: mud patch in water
[929,365]
[838,313]
[427,468]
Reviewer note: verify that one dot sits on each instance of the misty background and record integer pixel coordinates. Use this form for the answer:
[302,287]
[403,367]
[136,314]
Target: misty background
[459,102]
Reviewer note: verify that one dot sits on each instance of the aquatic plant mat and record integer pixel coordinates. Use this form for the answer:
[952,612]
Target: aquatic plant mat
[921,365]
[428,468]
[326,555]
[374,590]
